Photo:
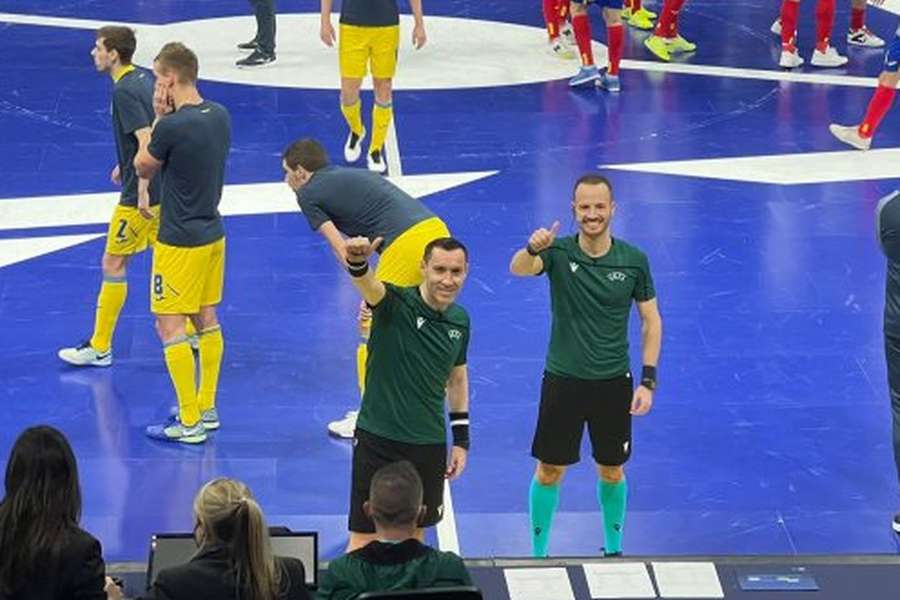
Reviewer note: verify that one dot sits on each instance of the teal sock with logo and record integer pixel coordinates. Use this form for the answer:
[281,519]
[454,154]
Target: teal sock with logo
[612,498]
[542,503]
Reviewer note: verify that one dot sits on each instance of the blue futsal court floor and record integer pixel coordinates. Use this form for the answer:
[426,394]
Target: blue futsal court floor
[770,431]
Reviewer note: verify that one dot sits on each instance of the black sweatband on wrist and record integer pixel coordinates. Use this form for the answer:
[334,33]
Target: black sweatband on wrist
[459,426]
[648,377]
[358,269]
[531,250]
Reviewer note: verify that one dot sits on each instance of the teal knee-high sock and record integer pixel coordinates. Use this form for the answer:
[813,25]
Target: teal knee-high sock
[542,502]
[612,498]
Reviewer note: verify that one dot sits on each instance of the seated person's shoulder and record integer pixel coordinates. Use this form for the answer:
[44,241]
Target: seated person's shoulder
[293,578]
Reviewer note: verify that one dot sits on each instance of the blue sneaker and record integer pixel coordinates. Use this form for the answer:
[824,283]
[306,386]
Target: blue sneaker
[585,75]
[209,418]
[176,432]
[610,83]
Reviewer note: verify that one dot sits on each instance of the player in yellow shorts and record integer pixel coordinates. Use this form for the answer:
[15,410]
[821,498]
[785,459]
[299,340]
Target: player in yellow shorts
[189,145]
[339,202]
[135,221]
[369,41]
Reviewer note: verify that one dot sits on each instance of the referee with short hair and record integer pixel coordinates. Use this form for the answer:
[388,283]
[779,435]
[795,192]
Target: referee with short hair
[594,278]
[887,225]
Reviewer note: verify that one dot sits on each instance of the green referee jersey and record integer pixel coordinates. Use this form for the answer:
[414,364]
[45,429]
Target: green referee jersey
[412,349]
[590,301]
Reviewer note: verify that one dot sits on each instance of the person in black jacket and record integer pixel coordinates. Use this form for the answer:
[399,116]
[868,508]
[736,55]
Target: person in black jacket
[234,561]
[44,555]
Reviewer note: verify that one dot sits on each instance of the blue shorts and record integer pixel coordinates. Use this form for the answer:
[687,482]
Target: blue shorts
[613,4]
[892,54]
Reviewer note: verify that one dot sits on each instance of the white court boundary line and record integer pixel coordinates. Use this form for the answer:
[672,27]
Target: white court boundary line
[448,538]
[636,65]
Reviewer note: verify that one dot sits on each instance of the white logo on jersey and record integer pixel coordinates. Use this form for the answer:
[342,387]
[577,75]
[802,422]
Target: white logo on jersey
[419,322]
[625,447]
[573,266]
[205,110]
[455,334]
[616,276]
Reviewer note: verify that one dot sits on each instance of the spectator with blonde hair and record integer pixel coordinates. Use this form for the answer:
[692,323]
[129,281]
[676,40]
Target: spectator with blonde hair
[235,559]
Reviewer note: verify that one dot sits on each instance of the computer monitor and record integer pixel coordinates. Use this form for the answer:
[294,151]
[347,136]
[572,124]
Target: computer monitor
[173,549]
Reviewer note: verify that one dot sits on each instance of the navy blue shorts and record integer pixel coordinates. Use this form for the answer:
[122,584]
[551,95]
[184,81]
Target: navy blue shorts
[892,54]
[613,4]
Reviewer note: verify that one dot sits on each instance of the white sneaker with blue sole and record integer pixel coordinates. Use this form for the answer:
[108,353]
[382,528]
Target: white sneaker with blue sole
[176,432]
[585,75]
[84,355]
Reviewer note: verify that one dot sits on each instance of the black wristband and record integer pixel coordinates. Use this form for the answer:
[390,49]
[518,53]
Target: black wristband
[357,269]
[531,250]
[648,377]
[459,426]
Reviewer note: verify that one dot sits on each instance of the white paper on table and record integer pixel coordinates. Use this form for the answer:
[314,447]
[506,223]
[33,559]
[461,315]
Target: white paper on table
[619,580]
[550,583]
[687,580]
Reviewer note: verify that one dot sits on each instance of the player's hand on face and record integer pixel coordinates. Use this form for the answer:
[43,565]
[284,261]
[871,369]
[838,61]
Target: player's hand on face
[418,36]
[543,238]
[359,249]
[326,33]
[116,176]
[162,97]
[457,461]
[642,401]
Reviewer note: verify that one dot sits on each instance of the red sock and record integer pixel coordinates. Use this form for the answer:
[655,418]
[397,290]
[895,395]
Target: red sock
[635,6]
[668,21]
[857,18]
[581,25]
[551,18]
[563,10]
[789,10]
[878,107]
[615,34]
[824,23]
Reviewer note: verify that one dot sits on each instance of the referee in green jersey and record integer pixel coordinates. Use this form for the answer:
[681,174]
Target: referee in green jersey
[587,377]
[416,359]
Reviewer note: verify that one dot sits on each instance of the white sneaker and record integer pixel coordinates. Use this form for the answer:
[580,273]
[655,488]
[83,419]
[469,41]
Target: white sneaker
[375,162]
[84,355]
[850,136]
[790,59]
[865,38]
[776,27]
[559,50]
[353,146]
[568,36]
[829,58]
[344,428]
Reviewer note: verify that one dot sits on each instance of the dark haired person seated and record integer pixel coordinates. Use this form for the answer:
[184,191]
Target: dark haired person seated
[235,559]
[44,555]
[396,560]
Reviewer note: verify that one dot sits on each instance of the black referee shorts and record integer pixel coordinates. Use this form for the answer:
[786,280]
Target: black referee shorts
[371,452]
[567,403]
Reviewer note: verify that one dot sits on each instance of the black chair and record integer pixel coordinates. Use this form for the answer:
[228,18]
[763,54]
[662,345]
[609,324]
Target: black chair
[462,592]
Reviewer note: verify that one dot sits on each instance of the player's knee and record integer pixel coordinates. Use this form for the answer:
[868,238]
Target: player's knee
[113,266]
[350,90]
[206,318]
[383,90]
[612,474]
[612,17]
[889,78]
[576,8]
[549,474]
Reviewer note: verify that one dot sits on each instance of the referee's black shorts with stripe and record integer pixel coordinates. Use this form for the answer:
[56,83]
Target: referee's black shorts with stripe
[568,403]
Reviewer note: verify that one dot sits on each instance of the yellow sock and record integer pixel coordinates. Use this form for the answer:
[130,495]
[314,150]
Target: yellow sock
[212,346]
[353,116]
[109,304]
[189,328]
[180,362]
[362,354]
[381,119]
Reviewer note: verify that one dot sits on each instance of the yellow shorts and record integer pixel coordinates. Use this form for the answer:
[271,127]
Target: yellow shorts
[360,46]
[130,232]
[401,263]
[184,279]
